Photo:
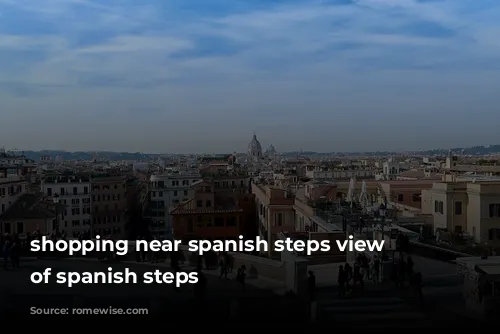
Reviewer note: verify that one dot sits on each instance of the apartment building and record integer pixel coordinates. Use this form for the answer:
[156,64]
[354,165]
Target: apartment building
[15,174]
[109,205]
[340,174]
[12,185]
[74,191]
[30,213]
[405,194]
[208,215]
[472,207]
[166,191]
[274,211]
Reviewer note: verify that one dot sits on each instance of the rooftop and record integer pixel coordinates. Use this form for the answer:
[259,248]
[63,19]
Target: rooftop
[31,206]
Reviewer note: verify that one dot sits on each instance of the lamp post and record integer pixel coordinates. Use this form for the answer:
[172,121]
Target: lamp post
[56,203]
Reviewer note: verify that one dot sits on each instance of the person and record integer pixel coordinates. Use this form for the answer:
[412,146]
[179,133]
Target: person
[401,274]
[241,275]
[342,281]
[409,266]
[223,267]
[6,253]
[14,254]
[311,285]
[375,270]
[348,276]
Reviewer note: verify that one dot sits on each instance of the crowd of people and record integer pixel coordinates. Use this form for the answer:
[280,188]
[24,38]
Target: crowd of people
[352,278]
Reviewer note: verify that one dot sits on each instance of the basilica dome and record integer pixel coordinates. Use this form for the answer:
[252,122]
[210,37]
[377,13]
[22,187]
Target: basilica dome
[271,151]
[254,148]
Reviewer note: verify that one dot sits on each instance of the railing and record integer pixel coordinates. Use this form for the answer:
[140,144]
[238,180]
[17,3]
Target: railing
[434,252]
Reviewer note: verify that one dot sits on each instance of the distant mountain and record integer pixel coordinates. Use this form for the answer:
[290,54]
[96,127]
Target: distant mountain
[110,156]
[137,156]
[475,150]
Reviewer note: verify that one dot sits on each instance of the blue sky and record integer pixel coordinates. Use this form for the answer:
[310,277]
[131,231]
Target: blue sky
[202,75]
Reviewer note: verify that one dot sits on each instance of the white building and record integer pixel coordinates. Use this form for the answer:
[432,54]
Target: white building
[166,191]
[74,191]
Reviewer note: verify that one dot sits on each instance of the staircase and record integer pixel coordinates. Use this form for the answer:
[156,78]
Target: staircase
[372,310]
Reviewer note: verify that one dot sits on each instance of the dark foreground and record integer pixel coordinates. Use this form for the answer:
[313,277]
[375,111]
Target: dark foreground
[225,303]
[224,299]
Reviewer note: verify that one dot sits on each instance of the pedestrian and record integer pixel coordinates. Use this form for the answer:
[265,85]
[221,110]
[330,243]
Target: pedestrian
[241,276]
[311,285]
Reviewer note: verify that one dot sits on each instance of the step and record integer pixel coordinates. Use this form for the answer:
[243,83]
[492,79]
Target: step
[350,309]
[365,318]
[363,301]
[373,326]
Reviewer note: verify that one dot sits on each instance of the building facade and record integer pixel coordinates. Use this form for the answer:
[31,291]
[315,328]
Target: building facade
[207,216]
[74,191]
[166,191]
[472,207]
[274,211]
[109,205]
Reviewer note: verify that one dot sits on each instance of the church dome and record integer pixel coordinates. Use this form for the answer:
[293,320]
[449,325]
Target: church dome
[271,151]
[254,148]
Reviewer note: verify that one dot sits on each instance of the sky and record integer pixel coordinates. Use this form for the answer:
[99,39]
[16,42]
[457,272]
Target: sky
[200,76]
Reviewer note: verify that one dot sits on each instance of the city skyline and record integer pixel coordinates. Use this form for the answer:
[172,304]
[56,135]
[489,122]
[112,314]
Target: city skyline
[194,76]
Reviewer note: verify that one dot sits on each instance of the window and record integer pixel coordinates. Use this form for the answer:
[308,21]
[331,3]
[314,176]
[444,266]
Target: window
[495,210]
[75,211]
[175,192]
[160,194]
[115,186]
[209,203]
[438,207]
[416,198]
[75,191]
[190,226]
[85,190]
[219,221]
[75,201]
[20,227]
[199,204]
[185,192]
[49,191]
[458,208]
[278,219]
[62,191]
[231,221]
[400,198]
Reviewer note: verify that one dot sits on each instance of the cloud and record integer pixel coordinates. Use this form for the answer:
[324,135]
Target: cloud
[267,55]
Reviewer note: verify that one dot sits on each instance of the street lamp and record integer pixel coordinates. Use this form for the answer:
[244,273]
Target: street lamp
[56,203]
